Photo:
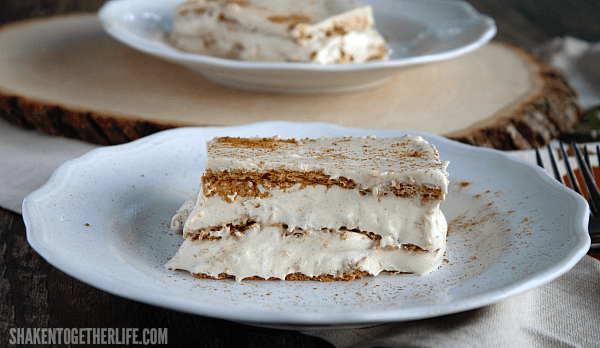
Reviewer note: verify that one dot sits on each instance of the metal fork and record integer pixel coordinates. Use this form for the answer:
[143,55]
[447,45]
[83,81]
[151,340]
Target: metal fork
[589,184]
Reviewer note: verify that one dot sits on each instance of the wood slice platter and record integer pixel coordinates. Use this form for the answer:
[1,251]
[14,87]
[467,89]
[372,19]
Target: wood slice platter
[65,76]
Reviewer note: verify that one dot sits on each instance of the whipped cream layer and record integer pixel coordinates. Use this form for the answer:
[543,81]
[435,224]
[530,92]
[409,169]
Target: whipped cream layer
[322,31]
[397,220]
[371,162]
[266,251]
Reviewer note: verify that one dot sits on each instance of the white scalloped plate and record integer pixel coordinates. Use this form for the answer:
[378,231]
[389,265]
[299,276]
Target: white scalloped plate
[417,32]
[104,219]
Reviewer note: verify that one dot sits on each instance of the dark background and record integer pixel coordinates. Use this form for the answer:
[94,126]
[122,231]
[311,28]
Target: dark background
[35,294]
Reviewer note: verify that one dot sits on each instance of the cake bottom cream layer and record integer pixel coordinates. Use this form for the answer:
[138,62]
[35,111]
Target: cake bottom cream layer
[269,251]
[397,220]
[359,46]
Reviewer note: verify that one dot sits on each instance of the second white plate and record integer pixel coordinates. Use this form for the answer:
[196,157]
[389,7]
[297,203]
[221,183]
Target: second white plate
[417,31]
[104,219]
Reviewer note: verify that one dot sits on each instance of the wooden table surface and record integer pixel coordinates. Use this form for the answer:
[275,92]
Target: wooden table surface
[35,294]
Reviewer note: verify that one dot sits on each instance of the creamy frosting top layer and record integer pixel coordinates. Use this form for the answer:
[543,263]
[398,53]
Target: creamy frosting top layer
[369,161]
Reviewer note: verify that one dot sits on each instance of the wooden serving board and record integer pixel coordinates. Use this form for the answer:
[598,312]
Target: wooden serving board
[65,76]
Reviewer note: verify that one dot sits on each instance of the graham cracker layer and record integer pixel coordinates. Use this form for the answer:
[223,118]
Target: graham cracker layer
[348,276]
[234,230]
[237,182]
[238,230]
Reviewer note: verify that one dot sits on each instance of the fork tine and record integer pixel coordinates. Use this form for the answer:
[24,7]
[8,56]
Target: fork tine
[538,158]
[588,180]
[586,156]
[597,155]
[570,173]
[557,175]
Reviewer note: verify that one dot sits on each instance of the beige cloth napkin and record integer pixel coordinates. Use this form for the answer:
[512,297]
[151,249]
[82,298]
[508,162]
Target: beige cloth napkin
[563,313]
[580,61]
[28,158]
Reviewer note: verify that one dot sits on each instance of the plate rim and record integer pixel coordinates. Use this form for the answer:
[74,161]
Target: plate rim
[34,226]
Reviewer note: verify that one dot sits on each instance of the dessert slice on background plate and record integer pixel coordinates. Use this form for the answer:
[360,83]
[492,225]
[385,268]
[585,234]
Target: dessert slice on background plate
[315,209]
[322,31]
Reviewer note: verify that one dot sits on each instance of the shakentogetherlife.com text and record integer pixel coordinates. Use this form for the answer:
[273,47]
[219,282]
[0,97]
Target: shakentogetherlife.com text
[121,336]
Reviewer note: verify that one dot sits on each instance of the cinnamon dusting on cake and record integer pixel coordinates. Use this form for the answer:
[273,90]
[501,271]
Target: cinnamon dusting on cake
[239,2]
[336,30]
[408,155]
[254,143]
[224,18]
[295,18]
